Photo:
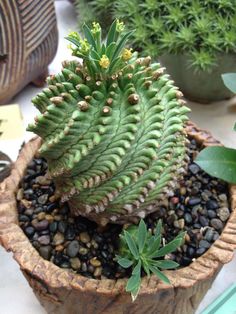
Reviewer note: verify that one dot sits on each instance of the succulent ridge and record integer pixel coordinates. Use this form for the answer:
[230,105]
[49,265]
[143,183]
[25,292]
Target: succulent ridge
[113,142]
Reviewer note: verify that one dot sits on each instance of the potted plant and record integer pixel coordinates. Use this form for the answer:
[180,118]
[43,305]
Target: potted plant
[114,130]
[194,40]
[25,50]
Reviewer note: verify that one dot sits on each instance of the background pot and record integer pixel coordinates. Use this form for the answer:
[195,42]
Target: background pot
[61,291]
[28,44]
[200,86]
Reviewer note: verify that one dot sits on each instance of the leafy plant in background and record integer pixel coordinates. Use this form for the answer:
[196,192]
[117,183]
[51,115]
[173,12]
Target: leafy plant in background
[198,28]
[99,10]
[141,250]
[220,162]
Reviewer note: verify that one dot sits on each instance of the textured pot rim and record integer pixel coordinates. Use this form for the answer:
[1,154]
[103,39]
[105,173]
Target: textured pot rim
[14,240]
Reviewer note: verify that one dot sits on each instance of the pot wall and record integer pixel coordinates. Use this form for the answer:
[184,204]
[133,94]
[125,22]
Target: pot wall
[28,45]
[200,86]
[63,292]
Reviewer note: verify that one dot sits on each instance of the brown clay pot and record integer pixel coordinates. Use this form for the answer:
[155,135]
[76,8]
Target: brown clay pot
[61,291]
[28,44]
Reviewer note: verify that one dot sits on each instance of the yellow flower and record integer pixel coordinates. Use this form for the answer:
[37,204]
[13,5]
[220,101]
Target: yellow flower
[84,46]
[96,28]
[126,54]
[104,62]
[119,26]
[74,35]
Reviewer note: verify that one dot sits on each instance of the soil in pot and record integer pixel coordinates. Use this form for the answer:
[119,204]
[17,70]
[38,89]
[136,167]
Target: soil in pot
[199,206]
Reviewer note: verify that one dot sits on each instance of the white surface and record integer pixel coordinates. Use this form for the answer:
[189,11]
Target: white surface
[16,296]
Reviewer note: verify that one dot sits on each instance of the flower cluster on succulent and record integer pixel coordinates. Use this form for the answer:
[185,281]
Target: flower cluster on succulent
[198,28]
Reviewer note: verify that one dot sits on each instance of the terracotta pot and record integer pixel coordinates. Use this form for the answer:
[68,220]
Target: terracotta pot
[28,44]
[61,291]
[201,86]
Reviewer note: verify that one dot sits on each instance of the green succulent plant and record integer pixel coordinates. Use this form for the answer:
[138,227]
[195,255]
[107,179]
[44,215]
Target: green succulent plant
[112,129]
[140,250]
[197,28]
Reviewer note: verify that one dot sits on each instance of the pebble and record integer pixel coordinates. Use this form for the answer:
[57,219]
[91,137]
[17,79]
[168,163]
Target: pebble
[84,237]
[62,225]
[45,251]
[43,199]
[223,213]
[211,213]
[95,262]
[44,239]
[188,218]
[97,272]
[43,180]
[73,248]
[211,204]
[209,235]
[75,263]
[217,224]
[194,201]
[83,250]
[194,168]
[58,238]
[205,244]
[29,231]
[203,221]
[179,223]
[53,226]
[40,225]
[41,215]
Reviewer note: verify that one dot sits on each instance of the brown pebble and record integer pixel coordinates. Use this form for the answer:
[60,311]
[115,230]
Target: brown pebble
[59,248]
[84,237]
[43,180]
[26,203]
[75,263]
[58,238]
[49,218]
[58,217]
[97,272]
[41,216]
[95,262]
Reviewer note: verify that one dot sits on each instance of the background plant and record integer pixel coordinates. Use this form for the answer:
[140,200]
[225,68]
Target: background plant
[220,162]
[199,28]
[140,250]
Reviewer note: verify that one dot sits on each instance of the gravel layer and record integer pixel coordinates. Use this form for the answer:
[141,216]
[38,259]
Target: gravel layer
[199,206]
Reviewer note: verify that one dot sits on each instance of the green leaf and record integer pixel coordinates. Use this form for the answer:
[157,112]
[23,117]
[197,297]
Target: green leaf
[170,247]
[95,55]
[121,44]
[111,33]
[219,162]
[159,274]
[155,246]
[137,269]
[230,81]
[124,262]
[131,244]
[158,228]
[110,49]
[166,264]
[142,235]
[133,282]
[73,41]
[89,36]
[234,127]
